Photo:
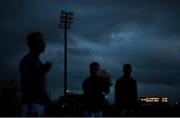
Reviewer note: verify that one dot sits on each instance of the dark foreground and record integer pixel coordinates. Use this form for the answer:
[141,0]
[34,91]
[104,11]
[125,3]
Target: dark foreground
[73,107]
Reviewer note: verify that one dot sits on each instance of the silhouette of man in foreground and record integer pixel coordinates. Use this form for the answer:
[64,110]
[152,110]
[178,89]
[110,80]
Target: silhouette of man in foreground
[95,87]
[34,96]
[126,92]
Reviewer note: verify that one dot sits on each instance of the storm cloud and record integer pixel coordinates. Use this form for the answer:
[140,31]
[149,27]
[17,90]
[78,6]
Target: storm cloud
[144,33]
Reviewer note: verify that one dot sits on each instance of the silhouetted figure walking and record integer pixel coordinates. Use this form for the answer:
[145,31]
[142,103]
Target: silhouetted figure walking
[95,87]
[126,92]
[34,96]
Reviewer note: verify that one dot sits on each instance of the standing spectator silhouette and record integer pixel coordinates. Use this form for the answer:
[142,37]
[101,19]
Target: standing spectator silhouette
[126,92]
[95,87]
[34,96]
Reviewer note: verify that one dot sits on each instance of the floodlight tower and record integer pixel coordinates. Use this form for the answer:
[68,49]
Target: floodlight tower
[66,19]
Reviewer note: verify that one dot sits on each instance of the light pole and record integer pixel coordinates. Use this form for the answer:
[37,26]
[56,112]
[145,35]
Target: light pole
[66,18]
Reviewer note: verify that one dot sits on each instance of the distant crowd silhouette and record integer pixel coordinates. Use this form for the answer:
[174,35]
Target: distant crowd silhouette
[95,87]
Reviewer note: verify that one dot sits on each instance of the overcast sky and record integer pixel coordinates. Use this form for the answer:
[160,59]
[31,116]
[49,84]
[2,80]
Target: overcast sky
[144,33]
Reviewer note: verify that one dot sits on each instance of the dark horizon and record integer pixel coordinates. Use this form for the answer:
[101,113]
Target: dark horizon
[143,33]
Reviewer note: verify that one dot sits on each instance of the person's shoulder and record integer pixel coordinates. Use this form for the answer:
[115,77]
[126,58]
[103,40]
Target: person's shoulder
[24,59]
[86,80]
[119,80]
[133,80]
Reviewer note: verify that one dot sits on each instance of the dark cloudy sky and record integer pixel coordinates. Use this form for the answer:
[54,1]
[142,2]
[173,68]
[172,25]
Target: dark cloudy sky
[144,33]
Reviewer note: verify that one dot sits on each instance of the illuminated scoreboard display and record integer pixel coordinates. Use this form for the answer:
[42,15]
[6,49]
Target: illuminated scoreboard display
[154,100]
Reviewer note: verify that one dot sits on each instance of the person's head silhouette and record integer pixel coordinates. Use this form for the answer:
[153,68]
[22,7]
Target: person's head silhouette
[127,69]
[94,69]
[35,42]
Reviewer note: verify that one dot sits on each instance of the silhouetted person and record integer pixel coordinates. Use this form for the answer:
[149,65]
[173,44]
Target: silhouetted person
[95,87]
[34,96]
[126,92]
